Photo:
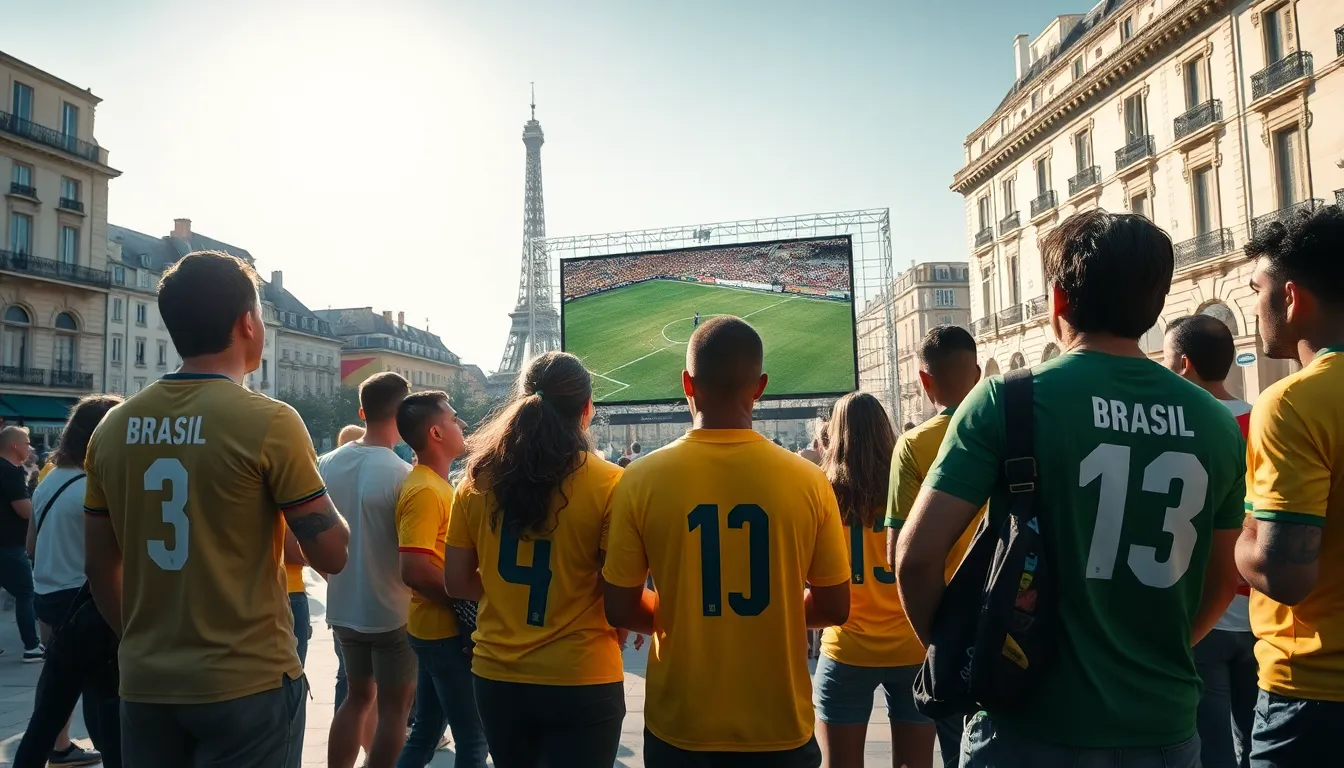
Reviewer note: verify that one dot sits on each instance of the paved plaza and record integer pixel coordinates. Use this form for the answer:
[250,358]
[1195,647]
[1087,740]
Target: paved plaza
[18,680]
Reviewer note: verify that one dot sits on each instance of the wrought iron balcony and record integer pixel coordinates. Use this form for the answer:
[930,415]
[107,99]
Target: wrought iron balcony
[27,190]
[57,270]
[1137,149]
[982,326]
[20,374]
[984,237]
[1036,307]
[1294,66]
[1009,223]
[1088,177]
[1339,41]
[1283,214]
[71,379]
[1200,116]
[72,205]
[50,137]
[1010,316]
[1044,202]
[1203,247]
[1339,197]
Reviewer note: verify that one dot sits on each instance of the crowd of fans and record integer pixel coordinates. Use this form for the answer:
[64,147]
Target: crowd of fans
[823,265]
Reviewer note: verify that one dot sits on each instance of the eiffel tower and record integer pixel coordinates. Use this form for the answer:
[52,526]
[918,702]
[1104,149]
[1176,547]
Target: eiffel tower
[536,325]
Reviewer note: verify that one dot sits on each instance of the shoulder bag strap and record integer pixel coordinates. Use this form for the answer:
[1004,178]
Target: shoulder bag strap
[42,516]
[1019,468]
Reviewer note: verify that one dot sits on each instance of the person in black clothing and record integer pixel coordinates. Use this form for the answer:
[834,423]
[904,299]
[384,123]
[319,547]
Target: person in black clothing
[16,570]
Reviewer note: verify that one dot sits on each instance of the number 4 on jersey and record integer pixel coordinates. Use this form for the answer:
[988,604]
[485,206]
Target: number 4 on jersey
[536,577]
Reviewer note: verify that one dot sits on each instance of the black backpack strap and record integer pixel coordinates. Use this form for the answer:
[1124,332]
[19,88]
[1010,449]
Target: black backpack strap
[1019,466]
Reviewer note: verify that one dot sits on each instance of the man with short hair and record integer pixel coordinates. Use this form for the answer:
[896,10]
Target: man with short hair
[1292,558]
[445,696]
[16,508]
[948,370]
[1200,348]
[731,526]
[190,484]
[367,602]
[1139,489]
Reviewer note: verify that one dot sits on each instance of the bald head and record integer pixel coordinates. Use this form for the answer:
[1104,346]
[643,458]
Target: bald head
[725,357]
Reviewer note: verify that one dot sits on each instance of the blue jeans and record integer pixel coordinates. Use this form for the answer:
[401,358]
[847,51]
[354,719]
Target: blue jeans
[303,622]
[843,693]
[983,746]
[16,578]
[1226,663]
[1292,732]
[444,698]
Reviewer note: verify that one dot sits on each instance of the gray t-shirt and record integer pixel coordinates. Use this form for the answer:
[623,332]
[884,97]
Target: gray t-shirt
[364,482]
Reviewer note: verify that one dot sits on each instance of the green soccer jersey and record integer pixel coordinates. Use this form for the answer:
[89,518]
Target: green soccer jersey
[1136,469]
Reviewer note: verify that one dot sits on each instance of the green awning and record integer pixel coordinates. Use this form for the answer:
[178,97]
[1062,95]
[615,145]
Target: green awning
[35,407]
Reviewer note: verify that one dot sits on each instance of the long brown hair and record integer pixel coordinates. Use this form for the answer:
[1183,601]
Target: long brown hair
[858,457]
[84,417]
[526,449]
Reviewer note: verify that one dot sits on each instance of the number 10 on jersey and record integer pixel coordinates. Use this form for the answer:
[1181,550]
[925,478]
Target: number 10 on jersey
[705,518]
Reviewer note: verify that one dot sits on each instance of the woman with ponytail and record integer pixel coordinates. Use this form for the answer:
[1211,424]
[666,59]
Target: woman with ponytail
[526,538]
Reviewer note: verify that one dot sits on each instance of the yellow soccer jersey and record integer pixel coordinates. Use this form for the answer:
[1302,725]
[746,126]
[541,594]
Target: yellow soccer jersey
[542,619]
[1295,474]
[294,578]
[194,472]
[422,526]
[44,471]
[731,526]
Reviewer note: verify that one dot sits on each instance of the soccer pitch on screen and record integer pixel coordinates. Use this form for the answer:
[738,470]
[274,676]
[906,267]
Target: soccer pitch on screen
[629,317]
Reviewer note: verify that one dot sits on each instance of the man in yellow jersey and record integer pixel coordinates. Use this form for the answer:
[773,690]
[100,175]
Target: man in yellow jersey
[947,371]
[184,531]
[731,527]
[444,695]
[1291,549]
[298,595]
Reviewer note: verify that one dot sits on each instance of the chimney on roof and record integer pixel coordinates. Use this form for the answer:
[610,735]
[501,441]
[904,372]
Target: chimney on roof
[401,319]
[387,316]
[278,280]
[1020,54]
[182,229]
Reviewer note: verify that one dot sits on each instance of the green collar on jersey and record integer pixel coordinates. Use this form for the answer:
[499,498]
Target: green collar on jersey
[948,411]
[194,376]
[1329,350]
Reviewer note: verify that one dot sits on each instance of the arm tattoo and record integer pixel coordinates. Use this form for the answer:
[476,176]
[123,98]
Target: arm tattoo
[1290,543]
[312,525]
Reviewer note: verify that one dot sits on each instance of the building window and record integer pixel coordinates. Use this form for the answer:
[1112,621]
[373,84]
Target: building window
[944,297]
[163,355]
[1197,89]
[1035,99]
[987,291]
[1138,204]
[116,310]
[141,313]
[265,370]
[20,233]
[69,251]
[23,101]
[116,349]
[1126,29]
[144,279]
[1275,24]
[119,275]
[140,351]
[984,211]
[941,273]
[1078,68]
[1011,263]
[1082,149]
[1042,176]
[1287,167]
[22,175]
[1136,123]
[984,144]
[1009,199]
[139,383]
[69,119]
[1201,190]
[14,331]
[66,328]
[69,189]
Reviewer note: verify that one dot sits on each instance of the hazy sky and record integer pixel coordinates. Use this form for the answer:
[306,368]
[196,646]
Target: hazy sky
[372,150]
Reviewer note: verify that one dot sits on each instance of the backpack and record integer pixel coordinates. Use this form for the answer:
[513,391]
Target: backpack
[997,627]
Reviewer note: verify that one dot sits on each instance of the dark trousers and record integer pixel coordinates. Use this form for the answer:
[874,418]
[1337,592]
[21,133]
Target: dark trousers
[16,578]
[303,622]
[264,730]
[660,754]
[1226,663]
[82,660]
[444,699]
[558,726]
[949,739]
[1295,732]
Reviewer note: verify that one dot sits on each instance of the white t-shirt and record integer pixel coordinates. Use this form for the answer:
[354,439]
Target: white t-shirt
[1237,617]
[364,482]
[58,562]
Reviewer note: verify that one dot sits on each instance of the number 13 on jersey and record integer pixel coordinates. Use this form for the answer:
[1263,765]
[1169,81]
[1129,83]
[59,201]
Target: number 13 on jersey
[705,518]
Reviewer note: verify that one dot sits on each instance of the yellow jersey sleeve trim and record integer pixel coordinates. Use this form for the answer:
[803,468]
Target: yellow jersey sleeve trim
[618,583]
[1299,518]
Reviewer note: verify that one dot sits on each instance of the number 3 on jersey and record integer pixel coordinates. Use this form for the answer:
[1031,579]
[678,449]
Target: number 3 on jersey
[174,508]
[536,577]
[857,574]
[706,518]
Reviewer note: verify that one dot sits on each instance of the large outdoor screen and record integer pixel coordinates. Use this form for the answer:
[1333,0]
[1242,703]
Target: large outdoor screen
[629,317]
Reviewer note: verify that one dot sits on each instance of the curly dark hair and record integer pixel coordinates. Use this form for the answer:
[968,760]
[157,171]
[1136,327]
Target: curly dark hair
[85,416]
[858,459]
[526,449]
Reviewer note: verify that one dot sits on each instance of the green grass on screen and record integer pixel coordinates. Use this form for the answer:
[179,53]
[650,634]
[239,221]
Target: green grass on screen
[633,339]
